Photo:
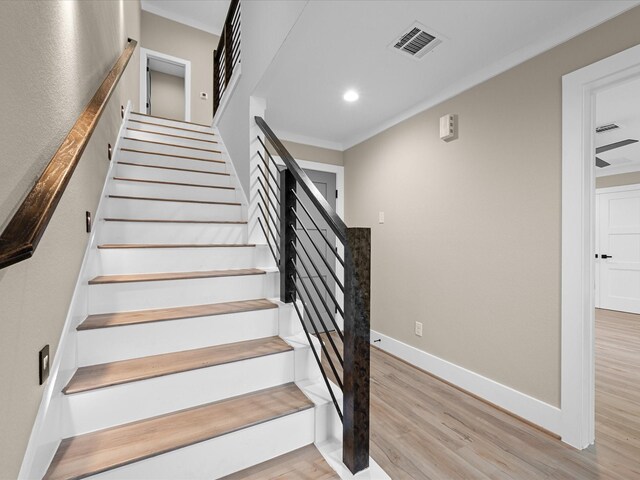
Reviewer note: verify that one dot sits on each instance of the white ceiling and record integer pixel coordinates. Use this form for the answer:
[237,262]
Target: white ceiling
[619,105]
[207,15]
[337,45]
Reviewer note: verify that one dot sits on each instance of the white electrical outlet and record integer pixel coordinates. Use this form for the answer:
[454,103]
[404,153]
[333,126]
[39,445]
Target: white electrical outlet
[380,217]
[419,329]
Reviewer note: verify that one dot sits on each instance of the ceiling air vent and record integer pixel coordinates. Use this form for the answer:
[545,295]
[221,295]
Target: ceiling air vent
[606,128]
[416,41]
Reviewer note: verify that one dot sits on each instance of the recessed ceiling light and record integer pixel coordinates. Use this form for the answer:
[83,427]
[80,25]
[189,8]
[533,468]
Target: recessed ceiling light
[351,96]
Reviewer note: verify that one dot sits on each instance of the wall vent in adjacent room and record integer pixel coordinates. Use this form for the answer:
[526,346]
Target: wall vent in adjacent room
[416,41]
[606,128]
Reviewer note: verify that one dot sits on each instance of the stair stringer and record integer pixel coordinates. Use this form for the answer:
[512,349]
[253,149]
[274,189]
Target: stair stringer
[48,426]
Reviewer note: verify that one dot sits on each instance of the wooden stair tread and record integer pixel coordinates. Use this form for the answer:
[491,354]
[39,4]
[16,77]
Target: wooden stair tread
[160,182]
[171,145]
[172,127]
[95,452]
[171,119]
[171,168]
[117,319]
[171,135]
[172,155]
[306,462]
[151,220]
[125,371]
[176,200]
[154,277]
[118,246]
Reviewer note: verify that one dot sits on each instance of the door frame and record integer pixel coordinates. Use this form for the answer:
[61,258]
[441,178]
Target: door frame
[577,397]
[145,55]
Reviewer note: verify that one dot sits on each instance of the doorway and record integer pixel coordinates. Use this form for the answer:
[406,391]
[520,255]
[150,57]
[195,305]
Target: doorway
[165,85]
[579,146]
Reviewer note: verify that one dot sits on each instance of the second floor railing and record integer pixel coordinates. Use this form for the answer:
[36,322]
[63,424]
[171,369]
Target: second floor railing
[330,291]
[227,56]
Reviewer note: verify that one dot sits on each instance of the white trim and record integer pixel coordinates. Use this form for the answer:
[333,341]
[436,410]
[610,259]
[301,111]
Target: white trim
[620,169]
[621,188]
[313,141]
[563,33]
[46,431]
[529,408]
[156,9]
[228,93]
[578,231]
[145,54]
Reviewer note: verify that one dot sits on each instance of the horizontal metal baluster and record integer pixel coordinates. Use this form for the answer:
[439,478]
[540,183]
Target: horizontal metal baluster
[318,361]
[269,196]
[267,165]
[275,257]
[275,195]
[333,274]
[315,287]
[331,247]
[315,308]
[275,210]
[322,345]
[275,240]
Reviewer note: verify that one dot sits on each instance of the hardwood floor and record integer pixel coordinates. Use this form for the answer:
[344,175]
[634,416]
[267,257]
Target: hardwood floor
[304,463]
[423,428]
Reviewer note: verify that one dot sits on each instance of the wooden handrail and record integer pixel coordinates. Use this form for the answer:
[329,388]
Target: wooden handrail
[23,233]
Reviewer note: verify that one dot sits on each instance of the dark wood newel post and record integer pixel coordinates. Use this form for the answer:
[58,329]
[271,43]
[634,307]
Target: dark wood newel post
[228,50]
[287,237]
[216,79]
[355,444]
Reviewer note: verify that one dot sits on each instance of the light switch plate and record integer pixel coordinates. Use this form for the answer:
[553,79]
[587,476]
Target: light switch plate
[44,364]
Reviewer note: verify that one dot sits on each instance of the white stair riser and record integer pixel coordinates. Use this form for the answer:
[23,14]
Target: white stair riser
[105,345]
[171,123]
[196,140]
[174,162]
[116,297]
[170,130]
[147,398]
[142,189]
[167,146]
[156,233]
[226,454]
[164,175]
[161,210]
[155,260]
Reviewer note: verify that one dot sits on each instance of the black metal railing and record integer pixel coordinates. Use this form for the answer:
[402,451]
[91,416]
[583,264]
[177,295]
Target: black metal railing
[227,55]
[288,204]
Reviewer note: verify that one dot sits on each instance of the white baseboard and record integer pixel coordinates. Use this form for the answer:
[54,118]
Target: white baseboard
[535,411]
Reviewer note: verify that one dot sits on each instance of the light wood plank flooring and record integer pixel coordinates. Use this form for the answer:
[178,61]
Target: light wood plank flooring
[305,463]
[423,428]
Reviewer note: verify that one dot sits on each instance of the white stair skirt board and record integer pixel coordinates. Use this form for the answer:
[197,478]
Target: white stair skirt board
[171,123]
[166,232]
[151,125]
[176,137]
[142,187]
[226,454]
[144,155]
[147,171]
[520,404]
[167,210]
[116,297]
[153,338]
[111,261]
[142,399]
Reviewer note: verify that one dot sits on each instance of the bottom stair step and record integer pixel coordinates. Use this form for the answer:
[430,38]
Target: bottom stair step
[306,462]
[92,453]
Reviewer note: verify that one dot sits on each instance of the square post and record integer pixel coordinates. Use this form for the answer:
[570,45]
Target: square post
[355,440]
[287,237]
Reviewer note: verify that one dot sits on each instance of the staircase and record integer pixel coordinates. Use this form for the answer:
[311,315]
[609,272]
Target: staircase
[187,364]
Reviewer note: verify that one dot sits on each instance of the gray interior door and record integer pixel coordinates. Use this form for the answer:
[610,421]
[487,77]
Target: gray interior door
[326,183]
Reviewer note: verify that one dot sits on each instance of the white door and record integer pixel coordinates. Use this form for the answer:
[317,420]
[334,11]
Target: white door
[618,254]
